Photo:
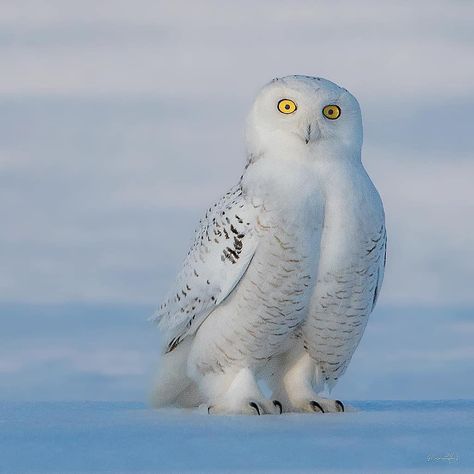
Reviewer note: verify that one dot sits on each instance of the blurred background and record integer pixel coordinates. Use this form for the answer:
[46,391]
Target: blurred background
[120,121]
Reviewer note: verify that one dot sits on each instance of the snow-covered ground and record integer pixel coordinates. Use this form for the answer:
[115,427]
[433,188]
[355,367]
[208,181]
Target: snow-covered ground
[382,436]
[67,354]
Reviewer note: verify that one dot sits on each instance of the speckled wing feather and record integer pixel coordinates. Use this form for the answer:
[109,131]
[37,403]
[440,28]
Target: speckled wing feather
[223,247]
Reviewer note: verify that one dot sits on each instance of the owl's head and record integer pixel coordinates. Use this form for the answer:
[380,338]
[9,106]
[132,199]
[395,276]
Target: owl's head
[302,113]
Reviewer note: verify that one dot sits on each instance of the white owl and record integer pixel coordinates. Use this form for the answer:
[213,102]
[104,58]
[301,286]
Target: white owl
[284,269]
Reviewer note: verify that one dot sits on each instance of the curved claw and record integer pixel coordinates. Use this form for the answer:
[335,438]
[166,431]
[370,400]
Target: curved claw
[316,406]
[209,408]
[276,403]
[339,405]
[255,407]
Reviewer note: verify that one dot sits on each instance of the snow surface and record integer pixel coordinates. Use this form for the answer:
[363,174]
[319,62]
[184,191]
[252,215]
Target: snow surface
[115,437]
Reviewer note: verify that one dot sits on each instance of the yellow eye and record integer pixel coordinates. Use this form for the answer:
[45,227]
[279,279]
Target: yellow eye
[332,112]
[286,106]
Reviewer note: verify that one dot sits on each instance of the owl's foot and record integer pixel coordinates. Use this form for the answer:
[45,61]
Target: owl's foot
[319,405]
[247,407]
[238,394]
[314,404]
[293,385]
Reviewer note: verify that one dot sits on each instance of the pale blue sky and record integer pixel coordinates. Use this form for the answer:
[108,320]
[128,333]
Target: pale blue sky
[121,121]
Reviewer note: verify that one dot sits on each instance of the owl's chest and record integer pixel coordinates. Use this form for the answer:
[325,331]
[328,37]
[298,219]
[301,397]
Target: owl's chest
[284,267]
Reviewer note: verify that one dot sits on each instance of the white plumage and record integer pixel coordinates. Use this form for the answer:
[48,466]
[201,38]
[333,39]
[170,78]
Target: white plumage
[284,269]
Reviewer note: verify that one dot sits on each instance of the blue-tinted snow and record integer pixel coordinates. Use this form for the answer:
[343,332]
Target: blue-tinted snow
[80,437]
[99,352]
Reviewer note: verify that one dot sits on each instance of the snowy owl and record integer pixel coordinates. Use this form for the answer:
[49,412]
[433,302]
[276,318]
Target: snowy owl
[284,270]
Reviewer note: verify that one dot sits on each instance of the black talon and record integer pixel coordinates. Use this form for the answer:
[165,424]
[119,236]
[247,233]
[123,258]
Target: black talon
[339,406]
[255,407]
[276,403]
[315,405]
[209,410]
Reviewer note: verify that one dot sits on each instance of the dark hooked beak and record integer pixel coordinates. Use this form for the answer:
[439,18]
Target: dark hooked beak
[309,133]
[307,136]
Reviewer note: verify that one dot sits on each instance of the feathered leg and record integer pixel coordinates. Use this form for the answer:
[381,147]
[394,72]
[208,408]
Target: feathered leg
[172,386]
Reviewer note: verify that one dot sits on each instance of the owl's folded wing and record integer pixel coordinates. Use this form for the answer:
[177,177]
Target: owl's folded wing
[223,247]
[382,260]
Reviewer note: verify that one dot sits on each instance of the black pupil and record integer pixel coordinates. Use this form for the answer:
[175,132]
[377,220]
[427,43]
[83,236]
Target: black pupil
[287,106]
[330,112]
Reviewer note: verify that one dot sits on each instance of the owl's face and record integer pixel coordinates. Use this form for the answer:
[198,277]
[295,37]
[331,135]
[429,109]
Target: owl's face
[305,113]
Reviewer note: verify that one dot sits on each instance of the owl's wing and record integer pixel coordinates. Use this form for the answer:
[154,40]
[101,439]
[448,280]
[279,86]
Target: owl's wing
[223,247]
[381,266]
[338,318]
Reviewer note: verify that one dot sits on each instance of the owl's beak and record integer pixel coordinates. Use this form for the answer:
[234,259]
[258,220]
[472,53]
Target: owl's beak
[307,137]
[310,133]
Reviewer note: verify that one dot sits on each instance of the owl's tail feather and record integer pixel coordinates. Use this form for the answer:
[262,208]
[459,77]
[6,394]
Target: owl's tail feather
[172,386]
